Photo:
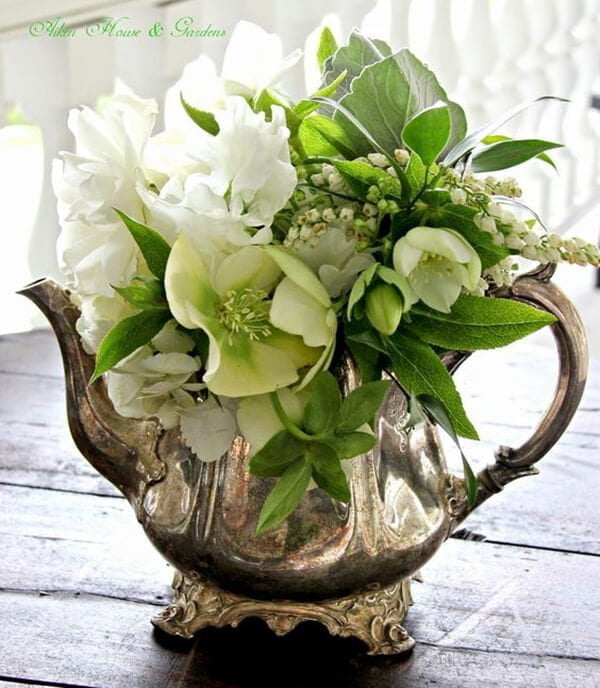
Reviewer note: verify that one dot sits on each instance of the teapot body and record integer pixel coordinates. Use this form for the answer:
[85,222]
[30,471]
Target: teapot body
[203,516]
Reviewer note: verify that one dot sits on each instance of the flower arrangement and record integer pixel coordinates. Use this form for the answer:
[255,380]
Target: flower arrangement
[223,265]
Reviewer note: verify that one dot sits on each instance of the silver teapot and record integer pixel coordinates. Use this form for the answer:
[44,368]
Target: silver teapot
[346,566]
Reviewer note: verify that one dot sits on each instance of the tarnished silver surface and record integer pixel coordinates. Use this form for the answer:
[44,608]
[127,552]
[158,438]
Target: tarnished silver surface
[202,517]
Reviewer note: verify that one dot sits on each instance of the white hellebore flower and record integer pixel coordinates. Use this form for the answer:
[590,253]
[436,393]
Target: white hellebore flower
[335,259]
[261,332]
[437,262]
[95,250]
[249,162]
[253,61]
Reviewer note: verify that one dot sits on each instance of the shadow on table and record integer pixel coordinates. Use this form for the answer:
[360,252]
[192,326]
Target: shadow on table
[252,656]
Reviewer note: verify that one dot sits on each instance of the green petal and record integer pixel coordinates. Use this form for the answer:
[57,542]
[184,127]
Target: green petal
[295,347]
[187,285]
[443,241]
[248,367]
[299,273]
[436,290]
[251,266]
[294,310]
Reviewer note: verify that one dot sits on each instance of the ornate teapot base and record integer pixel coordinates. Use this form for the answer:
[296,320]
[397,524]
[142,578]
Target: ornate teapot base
[375,617]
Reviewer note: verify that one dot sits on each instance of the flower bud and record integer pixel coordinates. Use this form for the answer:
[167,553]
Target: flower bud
[384,307]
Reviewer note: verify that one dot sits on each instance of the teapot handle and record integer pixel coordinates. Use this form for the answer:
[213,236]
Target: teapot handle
[536,289]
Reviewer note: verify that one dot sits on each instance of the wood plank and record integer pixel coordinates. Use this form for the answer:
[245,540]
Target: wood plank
[85,640]
[477,596]
[31,353]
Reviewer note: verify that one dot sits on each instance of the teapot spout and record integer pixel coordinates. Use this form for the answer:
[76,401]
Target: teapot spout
[122,449]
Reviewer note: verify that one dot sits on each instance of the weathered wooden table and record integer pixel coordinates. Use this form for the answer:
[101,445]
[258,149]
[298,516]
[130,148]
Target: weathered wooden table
[79,582]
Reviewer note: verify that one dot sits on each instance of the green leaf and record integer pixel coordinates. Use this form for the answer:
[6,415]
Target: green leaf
[352,58]
[505,154]
[268,97]
[351,444]
[361,405]
[467,144]
[324,137]
[360,175]
[427,133]
[153,247]
[478,322]
[495,138]
[327,471]
[471,483]
[146,295]
[460,218]
[425,90]
[419,370]
[415,172]
[277,454]
[127,336]
[359,287]
[323,406]
[306,106]
[327,46]
[285,496]
[205,120]
[439,413]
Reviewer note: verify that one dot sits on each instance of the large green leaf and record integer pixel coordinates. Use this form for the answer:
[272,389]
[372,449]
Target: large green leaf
[477,322]
[153,247]
[351,444]
[127,336]
[352,58]
[505,154]
[418,369]
[425,91]
[427,133]
[286,495]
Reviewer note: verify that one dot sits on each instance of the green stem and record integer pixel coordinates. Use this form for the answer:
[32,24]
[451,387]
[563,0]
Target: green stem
[286,421]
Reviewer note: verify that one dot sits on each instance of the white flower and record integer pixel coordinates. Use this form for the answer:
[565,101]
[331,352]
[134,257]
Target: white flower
[437,262]
[95,250]
[458,196]
[334,258]
[98,315]
[249,160]
[253,61]
[154,381]
[209,427]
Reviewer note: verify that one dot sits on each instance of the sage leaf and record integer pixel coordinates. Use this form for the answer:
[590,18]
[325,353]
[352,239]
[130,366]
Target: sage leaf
[505,154]
[328,472]
[127,336]
[327,46]
[286,495]
[205,120]
[153,247]
[146,295]
[361,405]
[418,369]
[425,90]
[352,58]
[276,455]
[478,322]
[428,132]
[351,444]
[321,411]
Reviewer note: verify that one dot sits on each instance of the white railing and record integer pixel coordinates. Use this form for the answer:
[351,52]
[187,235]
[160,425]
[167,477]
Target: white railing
[489,55]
